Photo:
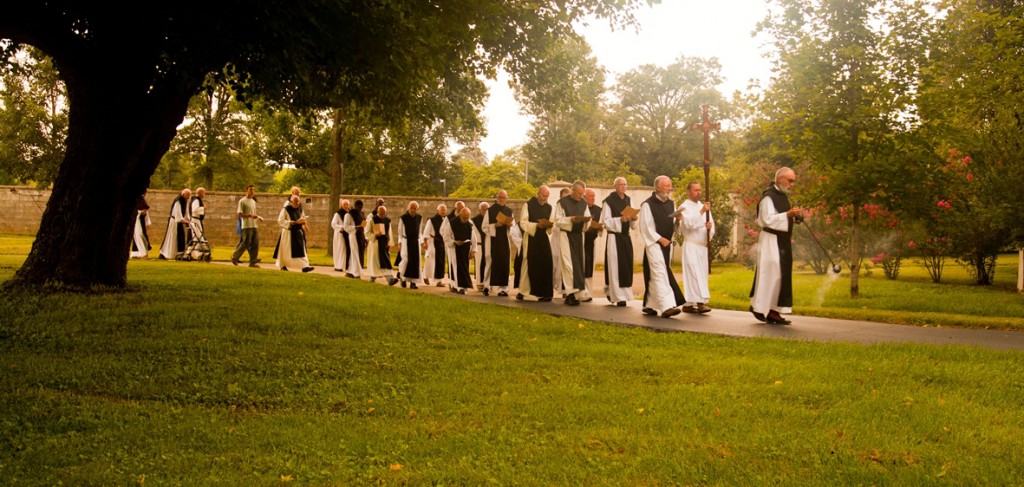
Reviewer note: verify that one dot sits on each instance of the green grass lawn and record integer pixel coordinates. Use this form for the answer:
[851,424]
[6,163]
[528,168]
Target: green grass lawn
[215,375]
[911,300]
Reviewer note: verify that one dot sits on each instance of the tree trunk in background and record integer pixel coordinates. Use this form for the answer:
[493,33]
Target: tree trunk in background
[1020,270]
[855,254]
[116,137]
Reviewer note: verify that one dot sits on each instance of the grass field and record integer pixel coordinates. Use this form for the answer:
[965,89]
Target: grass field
[911,300]
[216,375]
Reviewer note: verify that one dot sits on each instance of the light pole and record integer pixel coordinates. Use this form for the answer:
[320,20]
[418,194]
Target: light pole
[444,187]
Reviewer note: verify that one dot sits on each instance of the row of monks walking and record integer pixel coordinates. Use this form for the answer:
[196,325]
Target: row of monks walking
[184,224]
[554,245]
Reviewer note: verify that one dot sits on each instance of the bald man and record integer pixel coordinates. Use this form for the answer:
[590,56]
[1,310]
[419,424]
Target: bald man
[497,245]
[572,217]
[292,250]
[458,235]
[434,248]
[772,292]
[535,270]
[409,245]
[618,247]
[657,225]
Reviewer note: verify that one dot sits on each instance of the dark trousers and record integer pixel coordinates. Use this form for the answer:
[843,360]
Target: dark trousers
[249,240]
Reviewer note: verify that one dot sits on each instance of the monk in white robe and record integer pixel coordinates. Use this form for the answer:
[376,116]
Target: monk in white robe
[496,245]
[409,225]
[340,244]
[694,227]
[572,216]
[657,227]
[594,231]
[449,250]
[378,252]
[177,235]
[534,274]
[618,257]
[351,231]
[772,292]
[478,256]
[459,236]
[198,208]
[140,237]
[435,252]
[515,239]
[556,253]
[292,251]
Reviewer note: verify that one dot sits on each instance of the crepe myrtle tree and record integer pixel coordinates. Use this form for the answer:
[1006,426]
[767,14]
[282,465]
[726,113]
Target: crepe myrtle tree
[131,72]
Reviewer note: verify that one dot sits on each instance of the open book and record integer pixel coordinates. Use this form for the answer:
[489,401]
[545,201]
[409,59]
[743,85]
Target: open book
[378,228]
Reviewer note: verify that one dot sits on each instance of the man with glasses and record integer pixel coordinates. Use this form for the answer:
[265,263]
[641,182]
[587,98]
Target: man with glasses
[772,293]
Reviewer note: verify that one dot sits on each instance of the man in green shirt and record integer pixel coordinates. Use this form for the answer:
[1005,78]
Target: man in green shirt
[249,239]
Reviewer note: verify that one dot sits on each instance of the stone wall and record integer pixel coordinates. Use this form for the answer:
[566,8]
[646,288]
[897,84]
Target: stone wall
[25,209]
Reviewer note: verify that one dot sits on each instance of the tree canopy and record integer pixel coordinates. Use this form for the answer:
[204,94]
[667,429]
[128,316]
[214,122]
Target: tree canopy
[129,84]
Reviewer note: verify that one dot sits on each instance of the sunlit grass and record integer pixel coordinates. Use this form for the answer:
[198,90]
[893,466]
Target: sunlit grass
[912,299]
[210,374]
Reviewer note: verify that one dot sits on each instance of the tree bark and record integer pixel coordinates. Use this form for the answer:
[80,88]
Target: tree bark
[116,136]
[855,254]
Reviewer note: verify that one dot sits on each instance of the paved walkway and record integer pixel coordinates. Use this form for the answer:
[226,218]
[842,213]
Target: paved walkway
[742,324]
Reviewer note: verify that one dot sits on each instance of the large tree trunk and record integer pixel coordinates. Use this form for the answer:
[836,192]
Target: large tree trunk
[116,136]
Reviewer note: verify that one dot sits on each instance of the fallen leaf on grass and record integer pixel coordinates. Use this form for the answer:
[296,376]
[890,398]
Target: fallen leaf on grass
[395,467]
[286,478]
[640,411]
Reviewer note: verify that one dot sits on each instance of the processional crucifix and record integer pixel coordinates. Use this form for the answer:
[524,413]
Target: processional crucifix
[706,126]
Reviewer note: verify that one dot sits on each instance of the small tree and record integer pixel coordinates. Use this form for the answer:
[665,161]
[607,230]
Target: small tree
[485,181]
[33,121]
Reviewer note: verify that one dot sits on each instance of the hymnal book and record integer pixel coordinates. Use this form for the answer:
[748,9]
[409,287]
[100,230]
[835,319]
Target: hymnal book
[378,228]
[503,219]
[630,212]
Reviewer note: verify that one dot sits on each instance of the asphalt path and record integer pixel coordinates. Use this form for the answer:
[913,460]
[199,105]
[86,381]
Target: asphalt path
[737,323]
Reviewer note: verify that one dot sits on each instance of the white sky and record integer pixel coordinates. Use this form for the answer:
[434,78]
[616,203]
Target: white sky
[695,28]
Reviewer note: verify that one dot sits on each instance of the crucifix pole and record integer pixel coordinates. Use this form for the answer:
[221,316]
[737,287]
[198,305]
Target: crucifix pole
[706,127]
